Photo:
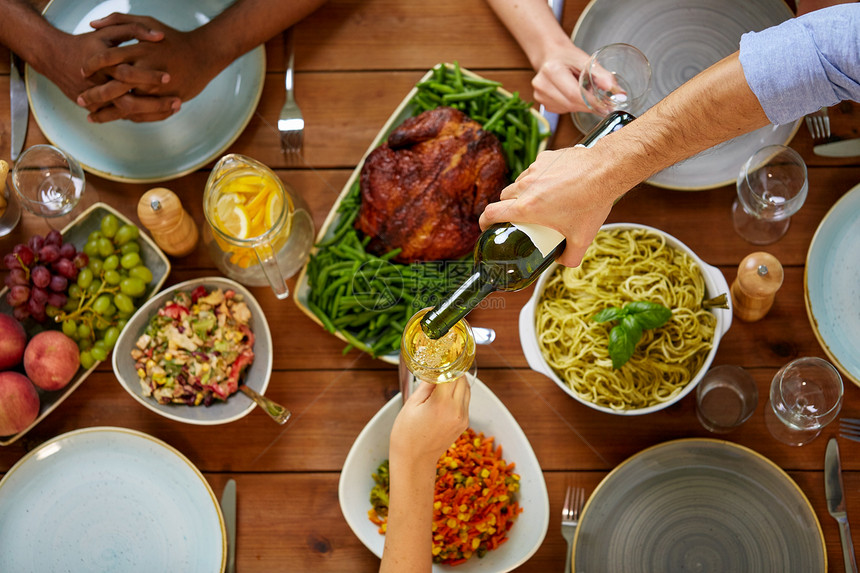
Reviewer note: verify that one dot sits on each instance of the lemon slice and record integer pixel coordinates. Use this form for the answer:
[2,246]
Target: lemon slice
[273,209]
[224,206]
[236,223]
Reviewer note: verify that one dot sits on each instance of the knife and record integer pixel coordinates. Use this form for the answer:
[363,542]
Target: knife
[20,107]
[836,501]
[844,148]
[228,508]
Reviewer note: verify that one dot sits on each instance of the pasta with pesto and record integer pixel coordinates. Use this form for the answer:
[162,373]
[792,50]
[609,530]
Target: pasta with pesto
[621,266]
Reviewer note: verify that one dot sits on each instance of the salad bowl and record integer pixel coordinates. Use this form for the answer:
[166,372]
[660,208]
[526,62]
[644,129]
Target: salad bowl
[238,404]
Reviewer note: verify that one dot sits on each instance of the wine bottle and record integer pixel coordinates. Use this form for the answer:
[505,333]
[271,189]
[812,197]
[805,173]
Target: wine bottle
[505,257]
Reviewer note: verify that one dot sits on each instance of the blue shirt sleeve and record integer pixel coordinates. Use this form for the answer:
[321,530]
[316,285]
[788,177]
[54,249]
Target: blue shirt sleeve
[804,63]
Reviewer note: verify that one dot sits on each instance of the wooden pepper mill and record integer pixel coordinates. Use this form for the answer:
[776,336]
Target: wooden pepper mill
[170,225]
[760,275]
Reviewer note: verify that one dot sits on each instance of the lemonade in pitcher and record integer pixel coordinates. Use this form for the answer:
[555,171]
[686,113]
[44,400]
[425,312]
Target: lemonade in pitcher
[261,231]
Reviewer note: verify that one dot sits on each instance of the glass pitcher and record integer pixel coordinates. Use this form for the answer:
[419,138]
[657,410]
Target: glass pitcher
[259,230]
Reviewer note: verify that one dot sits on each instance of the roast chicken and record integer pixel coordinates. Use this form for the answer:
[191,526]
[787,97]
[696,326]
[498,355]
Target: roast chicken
[425,188]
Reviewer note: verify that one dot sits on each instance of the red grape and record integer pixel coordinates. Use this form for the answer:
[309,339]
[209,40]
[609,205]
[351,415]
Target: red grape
[49,253]
[67,251]
[21,313]
[11,261]
[57,299]
[39,296]
[58,284]
[54,238]
[25,255]
[40,276]
[81,260]
[66,268]
[35,243]
[17,277]
[17,295]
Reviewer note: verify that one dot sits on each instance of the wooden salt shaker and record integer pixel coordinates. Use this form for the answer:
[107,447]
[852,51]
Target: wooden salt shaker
[760,275]
[170,225]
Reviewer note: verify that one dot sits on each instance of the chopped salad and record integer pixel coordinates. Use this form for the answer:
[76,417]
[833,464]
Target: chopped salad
[196,348]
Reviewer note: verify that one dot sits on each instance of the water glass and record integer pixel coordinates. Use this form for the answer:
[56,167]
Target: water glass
[805,396]
[47,181]
[725,398]
[772,186]
[616,77]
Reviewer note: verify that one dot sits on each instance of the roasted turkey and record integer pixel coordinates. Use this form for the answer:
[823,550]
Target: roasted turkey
[425,188]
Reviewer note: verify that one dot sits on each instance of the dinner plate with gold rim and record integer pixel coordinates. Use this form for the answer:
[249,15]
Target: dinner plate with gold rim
[109,499]
[698,505]
[831,283]
[681,38]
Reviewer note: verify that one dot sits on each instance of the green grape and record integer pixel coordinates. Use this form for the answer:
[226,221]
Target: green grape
[84,331]
[110,336]
[94,287]
[85,278]
[132,287]
[111,263]
[70,328]
[127,248]
[112,277]
[75,291]
[91,248]
[71,304]
[98,353]
[96,266]
[123,302]
[141,273]
[102,304]
[87,360]
[85,343]
[109,225]
[105,247]
[120,324]
[52,311]
[125,234]
[95,236]
[129,261]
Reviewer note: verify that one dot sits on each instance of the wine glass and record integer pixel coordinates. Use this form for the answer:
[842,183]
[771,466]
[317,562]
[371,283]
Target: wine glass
[47,181]
[805,396]
[771,187]
[616,77]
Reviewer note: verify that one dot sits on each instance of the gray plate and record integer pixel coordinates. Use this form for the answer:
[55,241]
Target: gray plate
[681,38]
[698,505]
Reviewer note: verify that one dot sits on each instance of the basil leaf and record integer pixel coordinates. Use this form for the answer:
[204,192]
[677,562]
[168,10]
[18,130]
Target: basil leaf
[649,314]
[621,346]
[610,313]
[634,329]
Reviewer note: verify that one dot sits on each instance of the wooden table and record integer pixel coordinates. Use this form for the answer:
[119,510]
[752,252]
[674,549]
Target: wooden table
[356,60]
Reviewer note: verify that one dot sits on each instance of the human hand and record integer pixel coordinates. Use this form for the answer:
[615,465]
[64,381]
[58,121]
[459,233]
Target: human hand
[432,418]
[556,83]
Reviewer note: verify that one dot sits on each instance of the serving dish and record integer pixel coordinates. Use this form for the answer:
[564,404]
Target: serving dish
[404,110]
[151,151]
[681,38]
[702,505]
[109,499]
[237,405]
[831,283]
[487,414]
[76,233]
[715,284]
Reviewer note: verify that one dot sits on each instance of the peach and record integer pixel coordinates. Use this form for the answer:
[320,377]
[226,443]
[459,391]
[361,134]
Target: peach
[51,360]
[13,340]
[19,403]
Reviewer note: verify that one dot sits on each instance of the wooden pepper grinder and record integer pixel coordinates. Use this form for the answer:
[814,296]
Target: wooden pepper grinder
[170,225]
[760,275]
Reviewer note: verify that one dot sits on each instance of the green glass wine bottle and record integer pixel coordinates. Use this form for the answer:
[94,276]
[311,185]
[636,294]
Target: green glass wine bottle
[505,257]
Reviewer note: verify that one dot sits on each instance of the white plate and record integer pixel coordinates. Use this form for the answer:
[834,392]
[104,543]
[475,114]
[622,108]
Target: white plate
[238,405]
[831,283]
[698,505]
[487,414]
[109,499]
[681,38]
[151,151]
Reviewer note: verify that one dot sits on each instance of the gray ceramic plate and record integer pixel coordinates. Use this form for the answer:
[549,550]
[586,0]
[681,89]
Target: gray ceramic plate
[153,151]
[681,38]
[698,505]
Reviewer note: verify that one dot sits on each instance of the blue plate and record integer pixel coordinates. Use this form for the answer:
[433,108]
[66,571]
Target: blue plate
[831,283]
[154,151]
[109,499]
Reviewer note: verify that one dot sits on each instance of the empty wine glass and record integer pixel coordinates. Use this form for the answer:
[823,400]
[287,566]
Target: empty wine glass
[48,181]
[805,396]
[616,77]
[771,186]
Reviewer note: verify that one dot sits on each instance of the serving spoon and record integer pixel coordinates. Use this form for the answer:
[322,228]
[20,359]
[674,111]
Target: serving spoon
[277,412]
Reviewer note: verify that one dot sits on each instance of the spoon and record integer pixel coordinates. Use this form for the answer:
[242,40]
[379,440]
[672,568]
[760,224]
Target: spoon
[277,412]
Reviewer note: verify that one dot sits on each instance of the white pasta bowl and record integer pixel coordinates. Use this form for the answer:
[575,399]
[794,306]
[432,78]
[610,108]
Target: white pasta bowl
[715,284]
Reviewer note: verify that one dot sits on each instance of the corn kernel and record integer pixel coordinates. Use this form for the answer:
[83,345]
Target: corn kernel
[475,543]
[141,373]
[168,356]
[437,550]
[437,505]
[485,473]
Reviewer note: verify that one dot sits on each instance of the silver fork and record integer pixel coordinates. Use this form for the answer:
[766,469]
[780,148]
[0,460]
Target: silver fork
[818,124]
[574,500]
[849,428]
[291,124]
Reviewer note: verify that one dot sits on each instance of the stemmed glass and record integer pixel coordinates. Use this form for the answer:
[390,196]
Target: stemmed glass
[616,77]
[47,181]
[805,396]
[771,187]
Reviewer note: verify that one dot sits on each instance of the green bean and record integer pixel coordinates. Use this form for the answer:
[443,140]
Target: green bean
[327,324]
[498,114]
[467,95]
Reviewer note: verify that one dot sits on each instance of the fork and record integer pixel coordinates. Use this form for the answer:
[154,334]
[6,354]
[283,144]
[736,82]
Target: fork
[574,499]
[818,124]
[849,428]
[291,125]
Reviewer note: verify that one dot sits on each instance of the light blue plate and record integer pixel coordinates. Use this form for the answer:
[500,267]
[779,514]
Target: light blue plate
[109,499]
[831,284]
[154,151]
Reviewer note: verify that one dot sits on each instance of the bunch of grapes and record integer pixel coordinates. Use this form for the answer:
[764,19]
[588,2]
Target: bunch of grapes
[39,274]
[106,291]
